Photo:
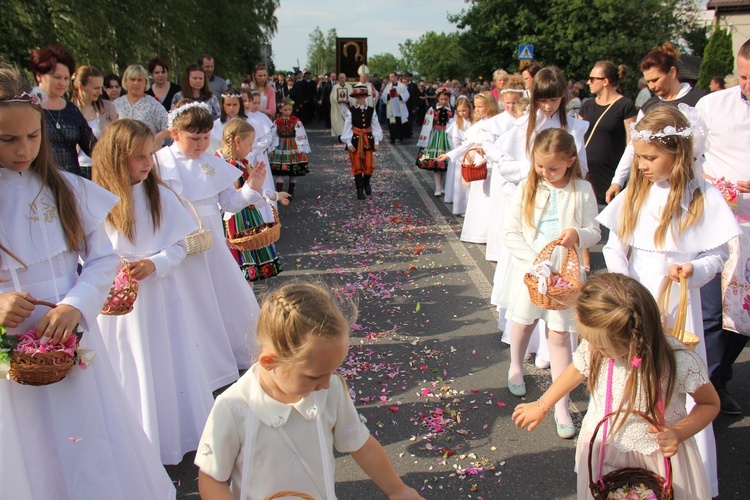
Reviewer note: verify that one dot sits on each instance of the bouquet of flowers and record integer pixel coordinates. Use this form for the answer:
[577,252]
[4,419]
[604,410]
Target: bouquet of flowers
[728,189]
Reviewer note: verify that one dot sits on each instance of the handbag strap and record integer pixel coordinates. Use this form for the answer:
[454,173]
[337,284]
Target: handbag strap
[597,121]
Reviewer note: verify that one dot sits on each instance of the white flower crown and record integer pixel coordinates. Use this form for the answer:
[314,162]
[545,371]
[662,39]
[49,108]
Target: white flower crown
[178,111]
[35,96]
[231,96]
[515,91]
[646,135]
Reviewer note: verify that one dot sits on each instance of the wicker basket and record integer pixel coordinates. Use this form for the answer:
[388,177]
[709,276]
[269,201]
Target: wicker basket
[41,368]
[601,486]
[290,494]
[200,241]
[256,237]
[121,301]
[678,329]
[555,298]
[473,166]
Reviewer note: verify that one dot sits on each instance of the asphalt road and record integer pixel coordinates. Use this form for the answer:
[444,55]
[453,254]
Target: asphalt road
[426,363]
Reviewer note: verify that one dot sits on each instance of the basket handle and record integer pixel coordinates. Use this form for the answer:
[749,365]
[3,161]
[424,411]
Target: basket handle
[275,213]
[678,330]
[647,418]
[195,212]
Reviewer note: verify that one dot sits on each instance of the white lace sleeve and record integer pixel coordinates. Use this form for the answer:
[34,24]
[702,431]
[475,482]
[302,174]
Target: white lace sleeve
[581,358]
[691,371]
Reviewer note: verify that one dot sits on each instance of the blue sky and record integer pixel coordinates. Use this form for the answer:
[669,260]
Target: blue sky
[385,24]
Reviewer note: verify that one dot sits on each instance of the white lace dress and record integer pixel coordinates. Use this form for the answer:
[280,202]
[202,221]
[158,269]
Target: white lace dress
[632,445]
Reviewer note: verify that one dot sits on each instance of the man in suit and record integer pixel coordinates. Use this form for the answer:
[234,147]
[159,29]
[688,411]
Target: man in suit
[324,97]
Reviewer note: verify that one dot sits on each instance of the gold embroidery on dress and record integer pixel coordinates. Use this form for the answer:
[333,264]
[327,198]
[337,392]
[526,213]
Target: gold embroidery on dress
[208,169]
[49,211]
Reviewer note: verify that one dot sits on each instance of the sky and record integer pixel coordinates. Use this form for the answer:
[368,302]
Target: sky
[385,24]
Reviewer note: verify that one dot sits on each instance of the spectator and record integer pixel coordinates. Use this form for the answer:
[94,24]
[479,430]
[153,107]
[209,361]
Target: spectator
[266,90]
[112,87]
[162,89]
[65,125]
[643,94]
[197,88]
[86,95]
[574,104]
[500,79]
[136,104]
[218,85]
[528,74]
[717,83]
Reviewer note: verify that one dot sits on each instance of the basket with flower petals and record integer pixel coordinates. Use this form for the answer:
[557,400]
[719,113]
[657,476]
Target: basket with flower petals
[123,293]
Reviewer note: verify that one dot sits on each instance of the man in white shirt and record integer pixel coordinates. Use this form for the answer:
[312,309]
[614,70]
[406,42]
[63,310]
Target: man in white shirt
[727,115]
[395,95]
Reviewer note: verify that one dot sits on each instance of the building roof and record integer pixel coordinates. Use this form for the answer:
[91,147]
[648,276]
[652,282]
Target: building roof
[728,4]
[689,67]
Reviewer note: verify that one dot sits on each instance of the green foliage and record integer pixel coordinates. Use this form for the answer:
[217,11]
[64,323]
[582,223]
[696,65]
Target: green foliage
[321,52]
[573,34]
[382,64]
[718,58]
[113,34]
[435,55]
[696,39]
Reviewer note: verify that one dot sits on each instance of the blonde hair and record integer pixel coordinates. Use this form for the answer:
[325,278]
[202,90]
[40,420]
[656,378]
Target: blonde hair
[521,106]
[134,71]
[681,173]
[515,82]
[618,315]
[551,141]
[464,101]
[491,103]
[121,141]
[235,128]
[298,312]
[12,85]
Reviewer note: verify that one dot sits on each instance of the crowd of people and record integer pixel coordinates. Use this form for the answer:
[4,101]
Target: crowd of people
[148,185]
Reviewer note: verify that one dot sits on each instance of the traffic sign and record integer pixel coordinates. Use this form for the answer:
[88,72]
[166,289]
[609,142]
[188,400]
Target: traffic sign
[525,52]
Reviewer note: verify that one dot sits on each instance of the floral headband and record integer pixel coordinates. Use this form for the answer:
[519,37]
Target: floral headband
[668,131]
[228,95]
[178,111]
[36,96]
[515,91]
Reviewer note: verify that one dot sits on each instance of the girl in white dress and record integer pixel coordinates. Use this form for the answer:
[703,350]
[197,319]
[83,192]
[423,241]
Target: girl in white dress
[632,366]
[546,110]
[152,348]
[670,221]
[77,438]
[553,203]
[275,429]
[232,106]
[264,141]
[229,310]
[456,190]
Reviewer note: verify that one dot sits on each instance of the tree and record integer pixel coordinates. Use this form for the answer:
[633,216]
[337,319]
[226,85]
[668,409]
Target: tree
[718,59]
[321,51]
[436,56]
[572,34]
[116,33]
[383,64]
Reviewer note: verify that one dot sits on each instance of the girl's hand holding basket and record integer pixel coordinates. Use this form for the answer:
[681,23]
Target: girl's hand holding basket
[15,307]
[58,324]
[668,439]
[569,238]
[675,269]
[141,269]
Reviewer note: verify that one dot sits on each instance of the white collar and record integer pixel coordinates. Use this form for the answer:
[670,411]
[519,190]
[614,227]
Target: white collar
[274,413]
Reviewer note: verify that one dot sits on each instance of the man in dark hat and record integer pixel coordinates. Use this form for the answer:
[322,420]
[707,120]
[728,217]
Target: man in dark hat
[362,134]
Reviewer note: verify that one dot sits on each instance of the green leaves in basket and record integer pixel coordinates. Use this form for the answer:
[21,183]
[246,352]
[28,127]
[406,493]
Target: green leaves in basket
[7,342]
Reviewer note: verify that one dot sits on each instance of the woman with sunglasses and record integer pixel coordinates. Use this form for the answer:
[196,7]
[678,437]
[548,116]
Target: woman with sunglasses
[609,115]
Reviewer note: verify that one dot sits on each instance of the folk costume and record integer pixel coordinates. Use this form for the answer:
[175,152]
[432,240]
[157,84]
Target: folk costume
[77,438]
[229,312]
[340,101]
[152,349]
[289,158]
[255,264]
[434,140]
[395,96]
[362,131]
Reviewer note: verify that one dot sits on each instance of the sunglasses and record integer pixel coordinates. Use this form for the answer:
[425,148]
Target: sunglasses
[596,78]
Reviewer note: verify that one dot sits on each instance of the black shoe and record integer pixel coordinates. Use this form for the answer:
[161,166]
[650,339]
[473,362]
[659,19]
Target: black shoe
[368,189]
[359,181]
[729,405]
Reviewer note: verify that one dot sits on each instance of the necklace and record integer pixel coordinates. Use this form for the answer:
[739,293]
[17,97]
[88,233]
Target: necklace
[59,115]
